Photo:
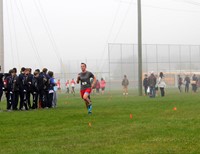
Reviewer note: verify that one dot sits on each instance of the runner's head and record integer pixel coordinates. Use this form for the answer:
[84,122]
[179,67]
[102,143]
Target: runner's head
[83,67]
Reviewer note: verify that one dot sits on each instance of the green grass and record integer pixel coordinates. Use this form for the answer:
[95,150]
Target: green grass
[154,129]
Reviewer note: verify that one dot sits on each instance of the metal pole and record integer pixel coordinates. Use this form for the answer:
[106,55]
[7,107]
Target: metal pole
[1,38]
[121,61]
[139,48]
[169,60]
[157,58]
[109,66]
[180,63]
[190,49]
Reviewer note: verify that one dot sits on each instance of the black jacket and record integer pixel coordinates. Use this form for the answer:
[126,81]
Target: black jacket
[145,82]
[23,85]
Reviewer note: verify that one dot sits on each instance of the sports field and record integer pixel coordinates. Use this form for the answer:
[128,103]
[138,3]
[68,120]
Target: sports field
[134,125]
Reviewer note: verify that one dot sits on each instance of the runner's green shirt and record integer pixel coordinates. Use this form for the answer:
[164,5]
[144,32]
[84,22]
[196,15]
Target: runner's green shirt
[85,79]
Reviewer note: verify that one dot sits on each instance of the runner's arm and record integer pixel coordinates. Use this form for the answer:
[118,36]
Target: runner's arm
[78,79]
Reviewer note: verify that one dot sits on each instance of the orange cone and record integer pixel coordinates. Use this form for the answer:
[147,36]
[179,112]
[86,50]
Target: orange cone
[174,108]
[131,116]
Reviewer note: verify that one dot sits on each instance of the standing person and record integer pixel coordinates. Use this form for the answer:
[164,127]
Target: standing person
[51,89]
[43,83]
[23,89]
[15,89]
[8,90]
[40,85]
[180,82]
[59,85]
[55,88]
[156,86]
[194,83]
[97,86]
[161,84]
[102,85]
[35,89]
[67,86]
[30,88]
[1,85]
[86,86]
[145,84]
[73,83]
[125,84]
[152,84]
[187,83]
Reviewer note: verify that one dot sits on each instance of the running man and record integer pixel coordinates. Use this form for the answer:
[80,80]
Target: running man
[86,86]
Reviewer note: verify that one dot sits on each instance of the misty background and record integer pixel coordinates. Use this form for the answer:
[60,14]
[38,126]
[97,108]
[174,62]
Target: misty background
[58,34]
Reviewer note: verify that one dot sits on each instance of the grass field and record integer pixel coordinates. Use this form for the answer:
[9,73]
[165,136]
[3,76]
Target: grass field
[154,129]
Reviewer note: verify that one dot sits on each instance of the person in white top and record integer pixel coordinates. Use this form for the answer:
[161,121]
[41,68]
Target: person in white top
[73,83]
[161,84]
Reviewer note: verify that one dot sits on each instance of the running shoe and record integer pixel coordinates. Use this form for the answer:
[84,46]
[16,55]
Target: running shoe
[90,109]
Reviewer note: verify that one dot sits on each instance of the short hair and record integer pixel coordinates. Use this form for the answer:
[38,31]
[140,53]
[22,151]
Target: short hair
[44,70]
[27,69]
[11,71]
[50,73]
[35,73]
[84,64]
[23,69]
[15,70]
[161,74]
[37,70]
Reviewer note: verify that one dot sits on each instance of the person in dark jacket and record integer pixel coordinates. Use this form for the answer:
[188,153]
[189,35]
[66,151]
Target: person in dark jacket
[152,84]
[8,90]
[180,82]
[29,88]
[145,84]
[51,89]
[23,89]
[35,89]
[187,83]
[43,84]
[15,89]
[1,85]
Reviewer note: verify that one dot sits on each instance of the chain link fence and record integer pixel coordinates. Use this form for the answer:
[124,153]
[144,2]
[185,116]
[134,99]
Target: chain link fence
[122,60]
[170,59]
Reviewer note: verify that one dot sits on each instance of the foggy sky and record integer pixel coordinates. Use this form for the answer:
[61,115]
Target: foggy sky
[80,29]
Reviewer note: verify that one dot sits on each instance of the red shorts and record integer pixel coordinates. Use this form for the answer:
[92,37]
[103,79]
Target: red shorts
[88,91]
